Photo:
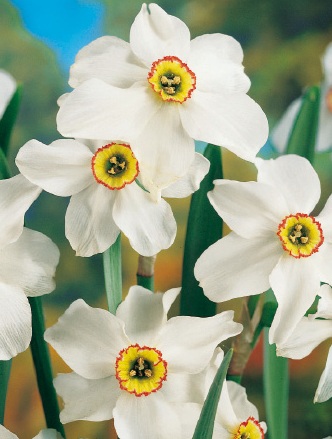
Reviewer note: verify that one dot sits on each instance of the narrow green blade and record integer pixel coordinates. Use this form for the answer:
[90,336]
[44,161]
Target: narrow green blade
[5,367]
[8,119]
[204,228]
[113,275]
[205,424]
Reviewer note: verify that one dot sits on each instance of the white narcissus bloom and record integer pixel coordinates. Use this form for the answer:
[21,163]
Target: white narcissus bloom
[161,91]
[275,241]
[7,89]
[123,365]
[308,334]
[281,132]
[48,433]
[27,268]
[105,196]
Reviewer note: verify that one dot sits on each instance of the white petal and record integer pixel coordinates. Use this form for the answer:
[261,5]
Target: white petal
[187,343]
[149,226]
[148,417]
[90,227]
[325,219]
[144,313]
[324,134]
[16,196]
[234,121]
[155,34]
[324,389]
[252,210]
[89,400]
[282,130]
[308,334]
[295,283]
[324,307]
[34,256]
[7,89]
[164,150]
[327,63]
[63,168]
[295,178]
[191,181]
[48,433]
[6,434]
[15,321]
[88,339]
[323,262]
[216,60]
[236,267]
[109,59]
[96,110]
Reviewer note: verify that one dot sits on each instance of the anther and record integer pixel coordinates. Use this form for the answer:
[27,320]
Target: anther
[148,373]
[304,239]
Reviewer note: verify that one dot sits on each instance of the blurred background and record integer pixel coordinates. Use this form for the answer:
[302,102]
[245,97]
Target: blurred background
[283,43]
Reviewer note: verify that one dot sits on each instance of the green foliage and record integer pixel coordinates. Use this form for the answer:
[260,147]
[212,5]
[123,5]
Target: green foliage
[8,119]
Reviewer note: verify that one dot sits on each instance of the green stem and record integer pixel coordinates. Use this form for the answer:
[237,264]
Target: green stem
[113,275]
[276,390]
[145,272]
[43,368]
[5,367]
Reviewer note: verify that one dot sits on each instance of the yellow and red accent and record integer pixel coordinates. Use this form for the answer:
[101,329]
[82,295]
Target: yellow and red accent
[301,235]
[172,79]
[114,165]
[153,370]
[249,429]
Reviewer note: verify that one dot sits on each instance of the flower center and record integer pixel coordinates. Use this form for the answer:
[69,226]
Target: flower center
[140,370]
[114,165]
[172,79]
[301,235]
[249,429]
[328,100]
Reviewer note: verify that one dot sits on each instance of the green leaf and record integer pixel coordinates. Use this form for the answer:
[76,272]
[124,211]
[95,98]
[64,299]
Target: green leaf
[302,139]
[204,228]
[205,424]
[4,169]
[42,363]
[5,367]
[113,275]
[8,119]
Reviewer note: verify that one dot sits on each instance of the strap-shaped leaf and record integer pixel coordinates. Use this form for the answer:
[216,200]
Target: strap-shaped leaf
[204,228]
[8,119]
[205,424]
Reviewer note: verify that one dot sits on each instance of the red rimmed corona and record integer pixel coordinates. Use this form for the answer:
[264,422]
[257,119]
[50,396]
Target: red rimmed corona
[114,165]
[301,235]
[140,370]
[249,429]
[172,79]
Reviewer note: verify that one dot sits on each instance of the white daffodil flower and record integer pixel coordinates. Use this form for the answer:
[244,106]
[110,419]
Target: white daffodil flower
[7,89]
[308,334]
[27,268]
[275,241]
[161,91]
[122,364]
[236,417]
[48,433]
[281,132]
[105,196]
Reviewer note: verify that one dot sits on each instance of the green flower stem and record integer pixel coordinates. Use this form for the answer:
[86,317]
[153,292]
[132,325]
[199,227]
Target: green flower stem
[113,275]
[276,390]
[205,424]
[43,368]
[5,367]
[145,272]
[204,228]
[9,117]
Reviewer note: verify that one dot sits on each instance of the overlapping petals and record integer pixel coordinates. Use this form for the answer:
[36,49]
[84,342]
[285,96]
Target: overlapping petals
[253,257]
[113,98]
[95,377]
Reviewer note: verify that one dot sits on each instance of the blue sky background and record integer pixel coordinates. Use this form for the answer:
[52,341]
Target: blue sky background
[64,25]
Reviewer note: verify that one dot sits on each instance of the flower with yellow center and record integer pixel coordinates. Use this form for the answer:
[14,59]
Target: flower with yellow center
[162,91]
[124,364]
[249,429]
[275,242]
